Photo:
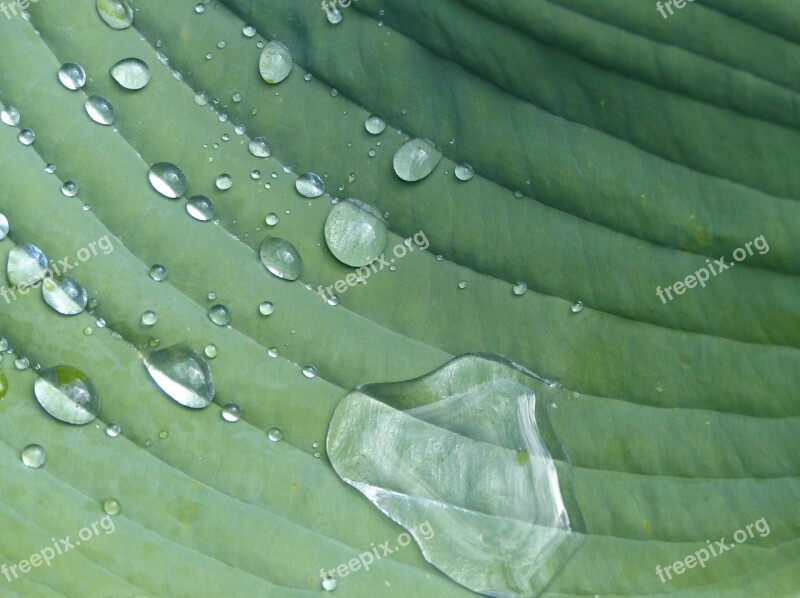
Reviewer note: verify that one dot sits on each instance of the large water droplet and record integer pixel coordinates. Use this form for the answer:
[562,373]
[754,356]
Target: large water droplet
[231,412]
[260,147]
[33,456]
[219,314]
[281,258]
[201,208]
[167,179]
[310,185]
[355,233]
[117,14]
[131,73]
[72,76]
[65,295]
[275,63]
[26,264]
[100,110]
[10,116]
[416,159]
[67,394]
[183,374]
[3,227]
[375,125]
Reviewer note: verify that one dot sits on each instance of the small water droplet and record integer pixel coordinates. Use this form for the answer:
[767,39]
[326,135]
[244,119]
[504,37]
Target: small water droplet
[149,318]
[334,14]
[281,258]
[576,307]
[375,125]
[200,208]
[67,394]
[65,295]
[255,175]
[464,172]
[332,300]
[112,507]
[158,272]
[200,98]
[117,14]
[310,185]
[222,45]
[183,374]
[308,77]
[518,194]
[260,147]
[22,363]
[310,371]
[33,456]
[520,288]
[4,227]
[266,308]
[72,76]
[272,352]
[329,584]
[236,97]
[26,265]
[131,73]
[113,430]
[231,412]
[271,219]
[355,233]
[351,178]
[200,8]
[219,314]
[275,435]
[224,182]
[211,351]
[88,331]
[275,63]
[462,284]
[371,153]
[212,296]
[69,189]
[249,31]
[334,92]
[26,137]
[50,168]
[416,159]
[167,179]
[10,116]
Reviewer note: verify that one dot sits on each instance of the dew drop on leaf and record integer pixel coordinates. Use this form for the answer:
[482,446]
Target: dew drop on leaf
[281,258]
[117,14]
[65,295]
[201,208]
[275,63]
[33,456]
[67,394]
[72,76]
[131,73]
[167,179]
[219,314]
[310,185]
[26,264]
[416,159]
[355,233]
[183,374]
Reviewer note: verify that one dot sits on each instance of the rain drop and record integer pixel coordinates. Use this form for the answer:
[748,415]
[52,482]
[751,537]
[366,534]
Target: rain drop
[520,288]
[33,456]
[231,412]
[281,258]
[275,435]
[310,371]
[260,147]
[375,125]
[22,363]
[272,352]
[576,307]
[100,110]
[334,14]
[224,182]
[201,99]
[355,233]
[117,14]
[249,31]
[219,314]
[183,374]
[3,227]
[310,185]
[210,350]
[113,430]
[200,208]
[167,179]
[464,172]
[416,159]
[266,308]
[72,76]
[50,168]
[112,507]
[69,189]
[271,219]
[329,584]
[149,318]
[26,264]
[67,394]
[10,116]
[275,63]
[65,295]
[158,272]
[26,137]
[131,73]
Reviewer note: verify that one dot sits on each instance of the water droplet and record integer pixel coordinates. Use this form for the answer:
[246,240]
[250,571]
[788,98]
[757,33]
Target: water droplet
[334,14]
[332,300]
[117,14]
[416,159]
[33,456]
[260,147]
[69,189]
[100,110]
[50,168]
[212,296]
[158,272]
[281,258]
[249,31]
[271,219]
[236,97]
[200,98]
[576,307]
[112,507]
[219,314]
[462,284]
[183,374]
[224,182]
[222,45]
[375,125]
[10,116]
[231,412]
[355,233]
[149,318]
[310,185]
[275,63]
[26,137]
[113,430]
[275,435]
[334,92]
[3,227]
[65,295]
[255,175]
[211,350]
[329,584]
[67,394]
[167,179]
[201,208]
[518,194]
[88,331]
[272,352]
[72,76]
[520,288]
[200,8]
[22,363]
[371,153]
[266,308]
[131,73]
[464,172]
[310,371]
[26,264]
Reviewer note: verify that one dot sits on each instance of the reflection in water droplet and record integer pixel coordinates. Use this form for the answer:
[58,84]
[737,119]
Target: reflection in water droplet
[26,264]
[167,179]
[22,363]
[375,125]
[271,219]
[3,227]
[576,307]
[464,172]
[112,507]
[117,14]
[329,584]
[201,208]
[462,284]
[520,288]
[26,137]
[281,258]
[69,189]
[231,412]
[100,110]
[200,8]
[266,308]
[355,233]
[113,430]
[310,371]
[72,76]
[275,63]
[224,182]
[249,31]
[67,394]
[65,295]
[210,351]
[272,352]
[219,314]
[33,456]
[158,272]
[416,159]
[310,185]
[260,147]
[131,73]
[274,434]
[50,168]
[10,116]
[149,318]
[183,374]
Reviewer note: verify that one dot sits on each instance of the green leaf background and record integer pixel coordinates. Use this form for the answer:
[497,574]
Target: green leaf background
[640,147]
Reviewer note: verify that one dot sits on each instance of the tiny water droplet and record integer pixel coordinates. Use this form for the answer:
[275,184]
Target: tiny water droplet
[158,272]
[200,8]
[520,288]
[308,77]
[222,45]
[212,296]
[255,175]
[200,98]
[281,258]
[272,352]
[464,172]
[375,125]
[275,63]
[371,153]
[3,227]
[275,435]
[22,363]
[334,14]
[462,284]
[50,168]
[72,76]
[518,194]
[231,412]
[332,300]
[310,185]
[271,219]
[236,97]
[334,92]
[69,189]
[33,456]
[211,351]
[167,179]
[113,430]
[266,308]
[576,307]
[26,137]
[149,318]
[249,31]
[310,371]
[224,182]
[219,314]
[67,394]
[112,507]
[329,584]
